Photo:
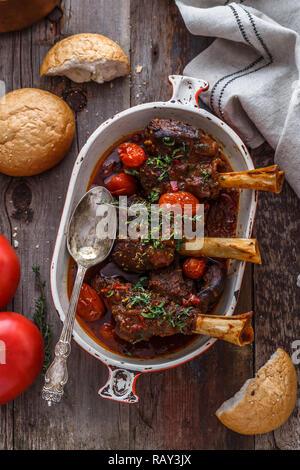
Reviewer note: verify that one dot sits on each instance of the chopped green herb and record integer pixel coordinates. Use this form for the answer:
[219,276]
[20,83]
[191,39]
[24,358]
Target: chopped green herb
[181,326]
[154,195]
[139,284]
[176,154]
[205,175]
[203,146]
[179,244]
[132,172]
[156,244]
[162,162]
[139,339]
[155,311]
[141,298]
[168,141]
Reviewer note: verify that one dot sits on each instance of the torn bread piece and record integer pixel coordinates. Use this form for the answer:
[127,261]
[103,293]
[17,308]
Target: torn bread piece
[86,57]
[265,402]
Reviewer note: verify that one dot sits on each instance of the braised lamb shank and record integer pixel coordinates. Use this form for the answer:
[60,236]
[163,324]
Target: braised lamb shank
[141,313]
[180,153]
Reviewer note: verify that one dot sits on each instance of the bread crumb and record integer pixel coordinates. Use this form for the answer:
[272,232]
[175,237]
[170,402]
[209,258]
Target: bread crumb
[139,68]
[15,234]
[16,243]
[37,246]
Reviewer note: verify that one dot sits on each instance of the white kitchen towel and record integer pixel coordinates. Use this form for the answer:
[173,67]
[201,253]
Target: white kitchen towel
[253,71]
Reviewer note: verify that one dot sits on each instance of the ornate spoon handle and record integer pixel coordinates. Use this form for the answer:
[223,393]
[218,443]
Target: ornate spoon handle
[57,374]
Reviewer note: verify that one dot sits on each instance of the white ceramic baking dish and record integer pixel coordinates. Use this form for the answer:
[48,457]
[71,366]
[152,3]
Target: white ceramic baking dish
[182,106]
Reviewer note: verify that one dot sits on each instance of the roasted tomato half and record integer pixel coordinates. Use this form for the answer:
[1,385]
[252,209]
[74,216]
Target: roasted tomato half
[90,306]
[131,155]
[194,268]
[122,185]
[180,198]
[107,331]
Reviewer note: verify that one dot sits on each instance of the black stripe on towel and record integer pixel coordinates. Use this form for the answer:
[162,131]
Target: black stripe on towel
[247,70]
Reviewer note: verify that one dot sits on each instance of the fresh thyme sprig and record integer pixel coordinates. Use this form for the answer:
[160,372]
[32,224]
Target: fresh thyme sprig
[40,318]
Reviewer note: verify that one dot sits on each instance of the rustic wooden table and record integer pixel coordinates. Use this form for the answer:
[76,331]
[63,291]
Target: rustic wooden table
[176,410]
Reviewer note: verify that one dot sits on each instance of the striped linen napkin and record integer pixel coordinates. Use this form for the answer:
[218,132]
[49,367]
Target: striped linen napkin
[253,71]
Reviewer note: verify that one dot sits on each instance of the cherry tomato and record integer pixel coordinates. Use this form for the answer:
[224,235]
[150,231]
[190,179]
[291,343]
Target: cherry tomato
[107,331]
[194,267]
[131,154]
[90,306]
[122,185]
[9,272]
[21,355]
[181,198]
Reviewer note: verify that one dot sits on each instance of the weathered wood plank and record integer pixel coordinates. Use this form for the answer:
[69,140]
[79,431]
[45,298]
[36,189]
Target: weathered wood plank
[34,205]
[177,406]
[6,411]
[277,298]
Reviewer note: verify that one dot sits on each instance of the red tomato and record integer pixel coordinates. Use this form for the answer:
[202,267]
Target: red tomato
[131,154]
[90,306]
[122,185]
[181,198]
[21,355]
[9,272]
[107,331]
[194,267]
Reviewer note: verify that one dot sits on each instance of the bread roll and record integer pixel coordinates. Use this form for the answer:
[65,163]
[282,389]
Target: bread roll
[36,131]
[86,57]
[265,402]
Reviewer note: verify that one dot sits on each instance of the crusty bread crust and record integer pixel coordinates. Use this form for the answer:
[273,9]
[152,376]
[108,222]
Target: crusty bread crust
[265,402]
[83,50]
[36,131]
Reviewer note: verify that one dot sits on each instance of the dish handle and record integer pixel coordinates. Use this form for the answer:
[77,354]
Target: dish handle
[186,90]
[120,385]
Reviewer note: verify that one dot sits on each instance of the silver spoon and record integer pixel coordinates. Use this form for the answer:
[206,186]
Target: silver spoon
[90,238]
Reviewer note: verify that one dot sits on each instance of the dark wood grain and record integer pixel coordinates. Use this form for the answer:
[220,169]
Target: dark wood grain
[277,297]
[177,406]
